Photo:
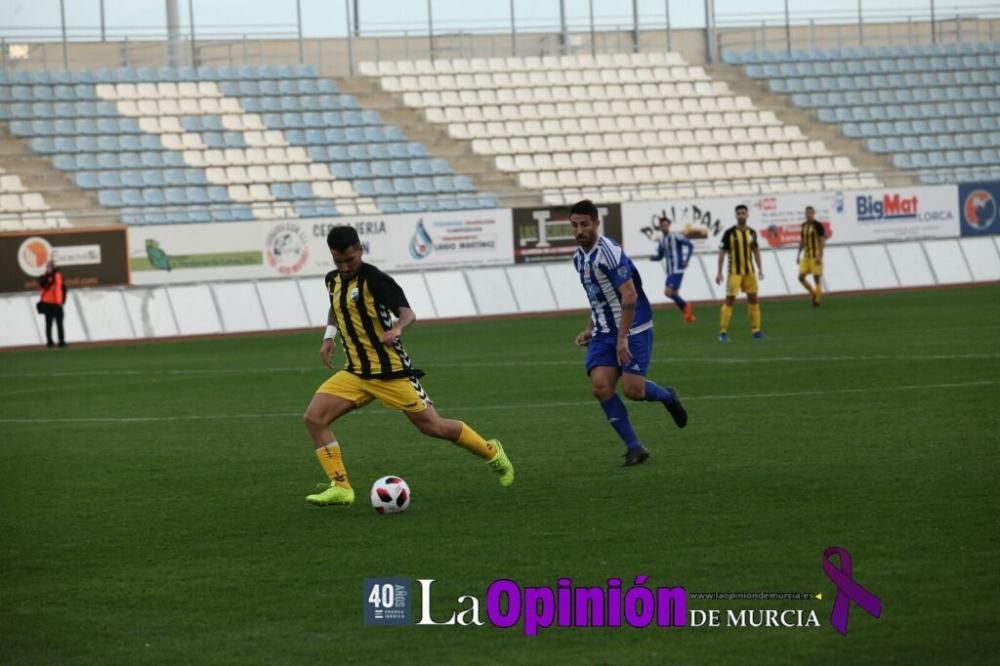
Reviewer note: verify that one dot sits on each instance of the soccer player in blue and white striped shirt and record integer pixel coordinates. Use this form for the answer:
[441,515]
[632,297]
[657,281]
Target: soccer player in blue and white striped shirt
[619,335]
[675,250]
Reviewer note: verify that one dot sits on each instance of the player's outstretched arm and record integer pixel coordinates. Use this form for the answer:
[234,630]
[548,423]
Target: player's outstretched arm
[585,335]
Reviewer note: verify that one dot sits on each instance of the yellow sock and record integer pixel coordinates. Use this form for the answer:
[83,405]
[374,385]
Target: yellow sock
[754,312]
[332,463]
[818,291]
[727,313]
[472,441]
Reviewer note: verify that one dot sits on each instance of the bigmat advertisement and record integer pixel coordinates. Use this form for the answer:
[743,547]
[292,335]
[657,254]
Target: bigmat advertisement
[86,258]
[290,248]
[848,217]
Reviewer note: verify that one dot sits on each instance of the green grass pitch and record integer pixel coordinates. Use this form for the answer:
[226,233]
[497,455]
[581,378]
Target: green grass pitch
[151,496]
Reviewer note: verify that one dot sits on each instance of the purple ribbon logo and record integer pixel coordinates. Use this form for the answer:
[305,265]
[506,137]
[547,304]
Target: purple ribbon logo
[848,589]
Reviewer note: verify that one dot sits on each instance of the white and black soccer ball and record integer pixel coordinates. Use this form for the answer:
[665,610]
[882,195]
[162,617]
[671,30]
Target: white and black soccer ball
[390,494]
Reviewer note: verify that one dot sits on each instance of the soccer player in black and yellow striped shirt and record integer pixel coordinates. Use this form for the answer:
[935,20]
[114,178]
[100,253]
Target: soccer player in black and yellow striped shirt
[811,241]
[739,245]
[363,301]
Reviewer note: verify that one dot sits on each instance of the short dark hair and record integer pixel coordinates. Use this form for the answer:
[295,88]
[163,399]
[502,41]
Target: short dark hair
[743,206]
[342,238]
[664,218]
[585,207]
[811,208]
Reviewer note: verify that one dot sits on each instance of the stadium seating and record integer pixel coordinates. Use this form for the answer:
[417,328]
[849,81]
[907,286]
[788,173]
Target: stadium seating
[22,209]
[615,127]
[220,144]
[935,108]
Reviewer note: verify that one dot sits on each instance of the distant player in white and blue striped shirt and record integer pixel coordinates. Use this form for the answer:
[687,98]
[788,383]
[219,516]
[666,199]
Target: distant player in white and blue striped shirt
[619,335]
[675,250]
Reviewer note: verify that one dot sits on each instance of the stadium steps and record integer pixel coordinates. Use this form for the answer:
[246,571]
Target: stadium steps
[60,192]
[480,169]
[810,124]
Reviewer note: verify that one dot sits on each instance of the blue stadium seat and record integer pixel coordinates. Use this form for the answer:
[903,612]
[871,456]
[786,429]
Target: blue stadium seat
[338,153]
[378,151]
[233,140]
[175,196]
[421,167]
[132,197]
[197,195]
[170,177]
[360,169]
[151,160]
[381,169]
[153,196]
[288,87]
[358,151]
[65,144]
[383,187]
[424,185]
[88,180]
[282,191]
[364,188]
[302,191]
[218,194]
[72,163]
[414,149]
[335,135]
[110,199]
[404,185]
[401,168]
[439,166]
[340,170]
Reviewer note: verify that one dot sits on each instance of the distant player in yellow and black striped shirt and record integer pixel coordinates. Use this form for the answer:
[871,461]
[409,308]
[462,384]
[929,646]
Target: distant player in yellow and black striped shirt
[811,242]
[739,245]
[363,301]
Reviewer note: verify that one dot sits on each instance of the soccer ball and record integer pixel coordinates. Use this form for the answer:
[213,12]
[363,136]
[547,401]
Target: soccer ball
[390,494]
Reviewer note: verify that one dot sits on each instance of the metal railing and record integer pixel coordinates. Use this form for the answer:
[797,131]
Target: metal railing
[97,45]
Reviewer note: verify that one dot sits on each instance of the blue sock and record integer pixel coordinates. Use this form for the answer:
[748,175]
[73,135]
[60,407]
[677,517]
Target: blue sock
[656,393]
[617,415]
[681,303]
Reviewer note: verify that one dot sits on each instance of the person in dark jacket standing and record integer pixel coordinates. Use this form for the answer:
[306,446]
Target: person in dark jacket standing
[51,303]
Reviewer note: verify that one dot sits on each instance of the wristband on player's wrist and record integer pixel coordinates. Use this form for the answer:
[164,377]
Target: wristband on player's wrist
[331,332]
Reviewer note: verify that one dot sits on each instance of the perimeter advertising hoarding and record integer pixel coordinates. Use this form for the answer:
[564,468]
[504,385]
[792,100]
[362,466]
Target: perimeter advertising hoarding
[977,206]
[294,248]
[849,217]
[86,257]
[543,233]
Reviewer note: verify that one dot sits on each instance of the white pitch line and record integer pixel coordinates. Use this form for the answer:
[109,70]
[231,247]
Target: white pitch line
[495,407]
[500,364]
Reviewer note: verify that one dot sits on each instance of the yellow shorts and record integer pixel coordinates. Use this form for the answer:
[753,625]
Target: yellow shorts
[810,266]
[405,394]
[737,283]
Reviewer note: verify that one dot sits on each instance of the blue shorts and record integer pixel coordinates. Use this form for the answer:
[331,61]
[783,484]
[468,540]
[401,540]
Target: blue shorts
[674,280]
[603,351]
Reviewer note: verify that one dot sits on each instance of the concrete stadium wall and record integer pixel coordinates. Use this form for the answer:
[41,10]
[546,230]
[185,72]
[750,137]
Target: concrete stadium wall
[137,313]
